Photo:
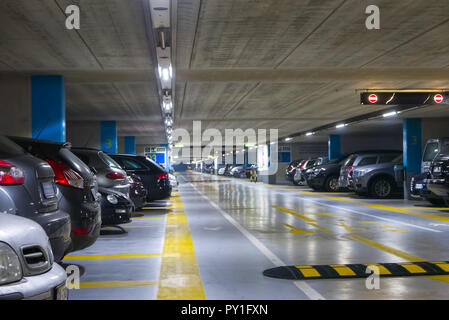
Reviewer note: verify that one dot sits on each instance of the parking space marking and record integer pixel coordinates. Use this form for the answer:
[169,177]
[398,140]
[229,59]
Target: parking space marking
[297,230]
[138,219]
[179,276]
[113,284]
[274,259]
[112,256]
[295,213]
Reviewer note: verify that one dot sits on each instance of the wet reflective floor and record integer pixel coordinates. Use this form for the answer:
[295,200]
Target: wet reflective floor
[239,229]
[216,235]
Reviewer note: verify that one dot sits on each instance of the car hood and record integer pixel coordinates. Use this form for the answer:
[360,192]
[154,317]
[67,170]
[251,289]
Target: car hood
[18,232]
[442,158]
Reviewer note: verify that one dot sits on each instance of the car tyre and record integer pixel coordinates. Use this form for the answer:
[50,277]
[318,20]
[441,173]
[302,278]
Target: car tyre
[381,188]
[331,184]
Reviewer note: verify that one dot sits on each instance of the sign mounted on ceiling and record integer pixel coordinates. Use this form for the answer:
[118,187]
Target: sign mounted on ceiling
[404,98]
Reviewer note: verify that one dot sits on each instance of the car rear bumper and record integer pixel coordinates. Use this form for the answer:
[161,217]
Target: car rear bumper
[47,286]
[57,225]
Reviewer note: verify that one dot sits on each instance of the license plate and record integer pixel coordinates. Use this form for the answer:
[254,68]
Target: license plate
[437,169]
[61,292]
[48,189]
[418,186]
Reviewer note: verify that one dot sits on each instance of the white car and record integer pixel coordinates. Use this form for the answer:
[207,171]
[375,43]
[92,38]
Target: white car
[27,268]
[173,180]
[221,171]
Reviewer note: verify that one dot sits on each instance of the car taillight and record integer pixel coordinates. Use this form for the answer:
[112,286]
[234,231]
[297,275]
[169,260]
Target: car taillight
[81,231]
[10,174]
[302,166]
[350,169]
[66,176]
[162,176]
[115,176]
[292,168]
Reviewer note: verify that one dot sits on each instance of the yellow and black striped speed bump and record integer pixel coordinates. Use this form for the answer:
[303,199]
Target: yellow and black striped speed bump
[339,271]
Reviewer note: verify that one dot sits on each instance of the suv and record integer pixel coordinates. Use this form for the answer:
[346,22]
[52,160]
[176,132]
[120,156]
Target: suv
[325,176]
[360,159]
[153,176]
[438,183]
[27,268]
[77,188]
[29,185]
[418,186]
[377,180]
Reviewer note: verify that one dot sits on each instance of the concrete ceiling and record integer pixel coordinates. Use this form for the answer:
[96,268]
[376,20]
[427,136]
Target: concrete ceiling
[288,64]
[296,65]
[107,64]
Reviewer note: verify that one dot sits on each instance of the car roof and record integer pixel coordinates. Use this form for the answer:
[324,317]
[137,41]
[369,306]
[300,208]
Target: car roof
[41,142]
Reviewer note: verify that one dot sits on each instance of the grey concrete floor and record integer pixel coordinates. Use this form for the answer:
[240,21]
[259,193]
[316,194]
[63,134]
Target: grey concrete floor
[238,229]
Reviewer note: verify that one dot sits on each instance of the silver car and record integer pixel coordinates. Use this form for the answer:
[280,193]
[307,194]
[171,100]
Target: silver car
[377,180]
[27,268]
[109,173]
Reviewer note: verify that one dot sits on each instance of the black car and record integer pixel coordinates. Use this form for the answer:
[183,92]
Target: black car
[438,182]
[137,191]
[116,207]
[325,177]
[29,183]
[77,185]
[153,176]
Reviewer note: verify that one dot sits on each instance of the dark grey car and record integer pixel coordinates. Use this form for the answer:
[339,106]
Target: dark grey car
[77,188]
[109,173]
[28,183]
[377,180]
[360,159]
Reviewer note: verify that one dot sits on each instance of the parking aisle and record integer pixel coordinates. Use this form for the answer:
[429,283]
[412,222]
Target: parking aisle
[123,265]
[240,229]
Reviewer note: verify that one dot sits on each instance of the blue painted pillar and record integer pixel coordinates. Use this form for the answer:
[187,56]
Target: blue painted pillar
[130,145]
[334,146]
[48,108]
[412,145]
[109,136]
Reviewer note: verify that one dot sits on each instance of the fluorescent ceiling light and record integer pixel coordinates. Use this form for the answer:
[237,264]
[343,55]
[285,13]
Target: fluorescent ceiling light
[165,74]
[288,139]
[390,114]
[342,125]
[309,133]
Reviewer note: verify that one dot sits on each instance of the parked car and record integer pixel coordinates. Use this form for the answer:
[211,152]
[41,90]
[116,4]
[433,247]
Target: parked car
[116,207]
[378,180]
[173,180]
[137,191]
[154,177]
[360,159]
[110,174]
[418,184]
[77,190]
[238,172]
[438,183]
[29,185]
[290,170]
[221,171]
[298,178]
[325,177]
[27,267]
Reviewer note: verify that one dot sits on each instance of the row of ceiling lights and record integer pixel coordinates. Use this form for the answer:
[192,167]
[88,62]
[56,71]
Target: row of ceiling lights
[160,16]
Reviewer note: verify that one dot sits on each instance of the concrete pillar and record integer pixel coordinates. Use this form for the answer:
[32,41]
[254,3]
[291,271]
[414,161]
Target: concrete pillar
[334,147]
[48,108]
[412,150]
[109,136]
[130,145]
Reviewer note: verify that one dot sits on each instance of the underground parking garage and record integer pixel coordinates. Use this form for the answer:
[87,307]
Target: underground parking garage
[224,150]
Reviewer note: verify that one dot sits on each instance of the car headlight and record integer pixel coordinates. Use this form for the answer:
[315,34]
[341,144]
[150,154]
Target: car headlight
[112,199]
[10,269]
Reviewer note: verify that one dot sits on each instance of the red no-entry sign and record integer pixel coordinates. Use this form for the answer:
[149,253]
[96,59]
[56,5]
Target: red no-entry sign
[372,98]
[438,98]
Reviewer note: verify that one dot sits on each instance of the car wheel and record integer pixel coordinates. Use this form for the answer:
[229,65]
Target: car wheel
[331,184]
[381,188]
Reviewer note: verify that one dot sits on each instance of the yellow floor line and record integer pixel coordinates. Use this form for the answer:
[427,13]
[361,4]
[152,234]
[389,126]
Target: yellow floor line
[156,208]
[112,256]
[430,216]
[146,219]
[396,252]
[179,277]
[295,213]
[114,284]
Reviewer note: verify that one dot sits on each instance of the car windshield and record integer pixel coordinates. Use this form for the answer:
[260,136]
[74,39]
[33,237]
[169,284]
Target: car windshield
[431,151]
[9,148]
[109,161]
